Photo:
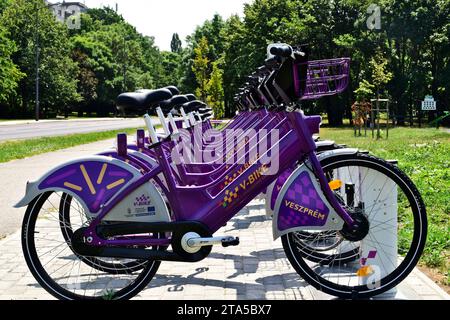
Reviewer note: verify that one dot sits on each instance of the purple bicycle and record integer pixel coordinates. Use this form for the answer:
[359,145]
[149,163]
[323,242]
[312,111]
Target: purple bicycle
[352,225]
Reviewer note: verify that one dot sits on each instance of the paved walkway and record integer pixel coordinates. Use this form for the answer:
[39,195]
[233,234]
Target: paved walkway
[31,121]
[257,269]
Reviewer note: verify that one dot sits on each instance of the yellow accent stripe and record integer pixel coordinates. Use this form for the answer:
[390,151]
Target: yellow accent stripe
[88,180]
[115,184]
[102,174]
[73,186]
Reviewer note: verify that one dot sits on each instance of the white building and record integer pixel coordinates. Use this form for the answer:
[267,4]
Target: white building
[64,10]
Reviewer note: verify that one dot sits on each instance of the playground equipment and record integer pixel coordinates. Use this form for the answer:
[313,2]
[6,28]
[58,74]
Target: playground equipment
[375,117]
[361,112]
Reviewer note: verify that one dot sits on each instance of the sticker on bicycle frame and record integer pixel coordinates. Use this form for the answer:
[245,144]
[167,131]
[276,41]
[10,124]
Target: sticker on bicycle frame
[230,179]
[302,206]
[142,207]
[141,212]
[143,200]
[366,270]
[278,186]
[231,196]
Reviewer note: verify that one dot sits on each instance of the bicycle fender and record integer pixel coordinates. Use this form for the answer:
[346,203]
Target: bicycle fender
[274,189]
[300,204]
[93,181]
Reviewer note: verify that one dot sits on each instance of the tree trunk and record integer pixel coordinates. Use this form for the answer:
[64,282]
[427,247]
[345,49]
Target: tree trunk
[401,112]
[335,115]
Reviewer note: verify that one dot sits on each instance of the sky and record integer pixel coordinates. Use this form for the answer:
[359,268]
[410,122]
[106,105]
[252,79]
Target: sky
[162,18]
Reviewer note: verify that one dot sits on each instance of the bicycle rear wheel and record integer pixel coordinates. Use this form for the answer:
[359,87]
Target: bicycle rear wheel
[396,235]
[64,274]
[72,217]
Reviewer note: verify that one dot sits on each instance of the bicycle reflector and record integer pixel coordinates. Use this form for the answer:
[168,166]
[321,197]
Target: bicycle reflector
[335,184]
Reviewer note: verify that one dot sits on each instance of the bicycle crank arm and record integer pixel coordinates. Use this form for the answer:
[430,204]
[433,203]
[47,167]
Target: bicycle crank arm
[193,240]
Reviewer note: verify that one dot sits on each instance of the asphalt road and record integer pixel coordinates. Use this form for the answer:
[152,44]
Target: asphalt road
[20,131]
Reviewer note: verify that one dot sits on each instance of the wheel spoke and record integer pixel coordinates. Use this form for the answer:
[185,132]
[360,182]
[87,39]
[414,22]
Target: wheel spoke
[66,272]
[391,215]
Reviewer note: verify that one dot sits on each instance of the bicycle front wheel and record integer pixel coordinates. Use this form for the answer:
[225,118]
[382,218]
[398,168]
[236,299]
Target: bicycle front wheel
[389,248]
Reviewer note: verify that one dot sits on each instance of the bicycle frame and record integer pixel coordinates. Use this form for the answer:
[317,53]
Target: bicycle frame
[215,210]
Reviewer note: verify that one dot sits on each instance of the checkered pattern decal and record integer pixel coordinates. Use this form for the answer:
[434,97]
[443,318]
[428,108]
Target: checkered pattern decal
[143,200]
[302,206]
[278,185]
[230,196]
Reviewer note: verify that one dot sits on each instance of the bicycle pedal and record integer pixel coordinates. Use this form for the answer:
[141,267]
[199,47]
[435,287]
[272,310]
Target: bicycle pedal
[231,243]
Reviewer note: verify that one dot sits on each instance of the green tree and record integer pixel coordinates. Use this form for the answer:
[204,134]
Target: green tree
[57,69]
[215,91]
[212,31]
[120,58]
[171,68]
[414,43]
[234,60]
[9,72]
[364,91]
[176,45]
[201,68]
[105,16]
[3,5]
[152,62]
[87,80]
[380,75]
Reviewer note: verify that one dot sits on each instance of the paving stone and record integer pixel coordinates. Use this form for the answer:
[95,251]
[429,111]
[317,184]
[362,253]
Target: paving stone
[257,269]
[12,276]
[5,285]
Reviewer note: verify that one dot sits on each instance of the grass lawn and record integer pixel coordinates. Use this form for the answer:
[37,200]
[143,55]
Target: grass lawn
[26,148]
[10,120]
[424,154]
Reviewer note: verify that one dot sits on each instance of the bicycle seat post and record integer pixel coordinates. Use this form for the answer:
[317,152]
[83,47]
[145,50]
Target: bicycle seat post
[185,117]
[153,137]
[140,141]
[192,119]
[162,118]
[175,131]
